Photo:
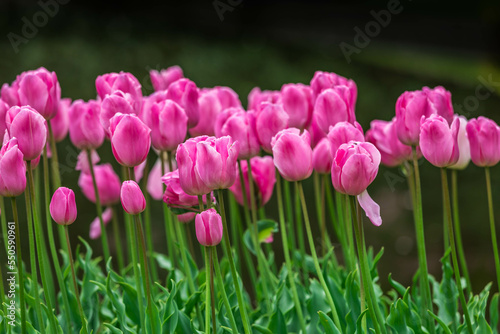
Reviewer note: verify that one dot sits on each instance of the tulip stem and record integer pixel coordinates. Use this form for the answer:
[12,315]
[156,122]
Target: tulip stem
[4,224]
[319,192]
[104,236]
[38,237]
[458,233]
[220,283]
[337,221]
[212,251]
[446,200]
[118,240]
[286,252]
[425,290]
[492,223]
[232,267]
[207,290]
[315,257]
[348,227]
[166,212]
[52,245]
[289,217]
[300,234]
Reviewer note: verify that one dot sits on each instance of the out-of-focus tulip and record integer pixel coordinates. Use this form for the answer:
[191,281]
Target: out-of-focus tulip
[132,198]
[63,206]
[383,135]
[344,132]
[241,127]
[315,133]
[226,95]
[221,119]
[95,226]
[185,93]
[3,114]
[209,228]
[85,130]
[438,141]
[108,184]
[322,157]
[463,145]
[484,139]
[186,217]
[270,120]
[154,185]
[326,80]
[293,154]
[109,83]
[9,94]
[298,104]
[209,107]
[256,97]
[60,122]
[116,102]
[174,195]
[82,162]
[12,169]
[30,129]
[130,139]
[332,106]
[441,99]
[161,80]
[264,176]
[40,90]
[186,156]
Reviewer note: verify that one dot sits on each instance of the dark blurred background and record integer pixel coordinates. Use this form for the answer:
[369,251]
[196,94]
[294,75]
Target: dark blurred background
[243,44]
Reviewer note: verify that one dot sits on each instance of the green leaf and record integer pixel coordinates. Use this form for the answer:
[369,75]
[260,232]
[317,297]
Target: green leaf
[327,323]
[359,322]
[494,312]
[397,317]
[277,324]
[112,329]
[440,322]
[397,286]
[261,329]
[265,227]
[163,261]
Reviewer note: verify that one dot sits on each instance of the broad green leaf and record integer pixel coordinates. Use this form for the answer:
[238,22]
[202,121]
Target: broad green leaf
[494,312]
[327,323]
[277,324]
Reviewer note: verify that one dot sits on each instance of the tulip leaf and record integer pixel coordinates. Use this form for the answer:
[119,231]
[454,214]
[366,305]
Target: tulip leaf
[494,314]
[265,228]
[327,323]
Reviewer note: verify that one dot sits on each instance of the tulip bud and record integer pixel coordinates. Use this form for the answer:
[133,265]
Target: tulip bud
[12,169]
[109,83]
[185,93]
[60,122]
[384,136]
[293,154]
[240,126]
[30,129]
[441,99]
[130,139]
[463,145]
[40,90]
[85,130]
[132,198]
[161,80]
[322,157]
[332,106]
[438,142]
[209,228]
[108,184]
[63,206]
[269,121]
[484,139]
[298,104]
[226,95]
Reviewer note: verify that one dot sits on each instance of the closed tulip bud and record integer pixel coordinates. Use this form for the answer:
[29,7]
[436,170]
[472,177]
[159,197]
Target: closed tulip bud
[116,102]
[293,154]
[209,107]
[298,104]
[132,198]
[322,157]
[326,80]
[484,139]
[108,184]
[168,123]
[95,226]
[344,132]
[256,97]
[63,206]
[3,114]
[384,136]
[30,129]
[264,176]
[332,106]
[209,228]
[85,130]
[40,90]
[109,83]
[185,93]
[270,120]
[438,142]
[130,139]
[12,169]
[241,127]
[463,145]
[161,80]
[60,122]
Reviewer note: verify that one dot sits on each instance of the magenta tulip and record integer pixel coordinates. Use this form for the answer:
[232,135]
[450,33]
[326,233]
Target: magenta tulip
[326,80]
[95,226]
[130,139]
[9,94]
[209,107]
[264,176]
[439,141]
[108,184]
[161,80]
[132,198]
[270,120]
[60,122]
[298,104]
[332,106]
[226,95]
[186,217]
[12,169]
[209,228]
[441,99]
[3,115]
[384,136]
[114,103]
[256,97]
[109,83]
[40,90]
[241,127]
[293,154]
[344,132]
[221,119]
[174,195]
[154,185]
[463,145]
[82,162]
[315,133]
[185,93]
[186,157]
[484,139]
[63,206]
[322,157]
[30,129]
[85,130]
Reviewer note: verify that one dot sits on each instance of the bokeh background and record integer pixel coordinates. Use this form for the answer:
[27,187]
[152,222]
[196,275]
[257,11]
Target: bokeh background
[244,44]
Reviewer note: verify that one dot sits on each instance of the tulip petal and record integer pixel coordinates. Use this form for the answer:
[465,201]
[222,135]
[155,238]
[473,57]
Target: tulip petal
[371,208]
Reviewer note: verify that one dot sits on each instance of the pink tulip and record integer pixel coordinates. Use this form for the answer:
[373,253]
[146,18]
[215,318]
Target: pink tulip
[30,129]
[161,80]
[9,94]
[241,127]
[185,93]
[40,90]
[326,80]
[132,198]
[256,97]
[298,104]
[116,102]
[95,226]
[108,184]
[82,162]
[226,95]
[441,99]
[168,123]
[3,115]
[189,172]
[12,169]
[60,122]
[264,176]
[293,154]
[209,107]
[344,132]
[384,136]
[149,101]
[484,139]
[174,195]
[109,83]
[209,228]
[130,139]
[438,141]
[269,121]
[322,157]
[316,133]
[85,130]
[154,185]
[463,145]
[63,206]
[354,168]
[186,217]
[221,119]
[332,106]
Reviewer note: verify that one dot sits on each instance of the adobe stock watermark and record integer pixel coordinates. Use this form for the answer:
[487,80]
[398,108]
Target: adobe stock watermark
[482,91]
[372,29]
[222,6]
[11,275]
[30,28]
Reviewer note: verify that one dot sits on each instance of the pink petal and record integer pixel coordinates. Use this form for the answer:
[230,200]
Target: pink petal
[371,208]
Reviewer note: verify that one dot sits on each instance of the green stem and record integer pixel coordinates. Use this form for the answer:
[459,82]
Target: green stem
[337,222]
[289,217]
[286,252]
[19,266]
[147,224]
[492,224]
[75,285]
[329,298]
[446,197]
[212,289]
[128,221]
[300,234]
[207,291]
[137,277]
[167,216]
[4,223]
[348,227]
[220,284]
[319,193]
[185,262]
[232,267]
[118,240]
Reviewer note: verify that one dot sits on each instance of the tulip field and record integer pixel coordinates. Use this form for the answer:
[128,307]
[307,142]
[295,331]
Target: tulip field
[218,164]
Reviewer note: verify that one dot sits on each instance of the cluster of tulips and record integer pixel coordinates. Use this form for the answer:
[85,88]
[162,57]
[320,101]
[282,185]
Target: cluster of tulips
[205,142]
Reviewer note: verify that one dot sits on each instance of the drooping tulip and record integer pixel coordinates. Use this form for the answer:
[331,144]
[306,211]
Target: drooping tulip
[298,104]
[162,79]
[344,132]
[256,97]
[271,119]
[30,129]
[322,157]
[332,106]
[185,93]
[114,103]
[132,198]
[130,139]
[85,130]
[12,169]
[63,206]
[293,154]
[484,139]
[463,145]
[439,141]
[60,122]
[40,90]
[109,83]
[95,227]
[108,184]
[241,127]
[209,228]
